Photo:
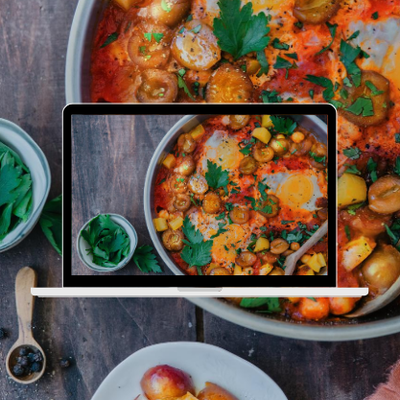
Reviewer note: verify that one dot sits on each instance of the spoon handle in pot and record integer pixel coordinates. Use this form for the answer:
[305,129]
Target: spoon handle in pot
[26,279]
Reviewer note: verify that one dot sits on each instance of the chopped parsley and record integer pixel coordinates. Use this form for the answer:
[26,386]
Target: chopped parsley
[292,55]
[353,36]
[271,97]
[332,30]
[373,88]
[352,169]
[347,231]
[318,159]
[165,6]
[348,57]
[371,166]
[362,105]
[397,137]
[182,83]
[394,233]
[277,44]
[352,209]
[396,168]
[110,38]
[239,32]
[375,15]
[352,152]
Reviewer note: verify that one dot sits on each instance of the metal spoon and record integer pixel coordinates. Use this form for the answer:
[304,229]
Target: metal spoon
[26,279]
[291,261]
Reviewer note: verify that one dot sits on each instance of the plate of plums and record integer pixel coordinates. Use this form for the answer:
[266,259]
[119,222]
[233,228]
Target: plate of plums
[187,371]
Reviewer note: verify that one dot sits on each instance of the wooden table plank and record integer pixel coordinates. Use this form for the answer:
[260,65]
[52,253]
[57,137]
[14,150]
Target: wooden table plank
[109,178]
[309,369]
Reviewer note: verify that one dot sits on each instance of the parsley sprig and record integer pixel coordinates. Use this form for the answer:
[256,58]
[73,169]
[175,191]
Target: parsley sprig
[15,191]
[283,125]
[197,251]
[215,176]
[146,260]
[239,32]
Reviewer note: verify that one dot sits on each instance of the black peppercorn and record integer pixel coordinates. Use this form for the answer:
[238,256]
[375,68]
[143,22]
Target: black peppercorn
[36,367]
[18,370]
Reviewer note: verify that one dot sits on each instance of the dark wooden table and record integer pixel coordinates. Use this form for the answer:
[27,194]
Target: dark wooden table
[100,333]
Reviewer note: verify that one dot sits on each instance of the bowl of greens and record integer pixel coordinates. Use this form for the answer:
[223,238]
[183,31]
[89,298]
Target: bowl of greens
[24,184]
[106,243]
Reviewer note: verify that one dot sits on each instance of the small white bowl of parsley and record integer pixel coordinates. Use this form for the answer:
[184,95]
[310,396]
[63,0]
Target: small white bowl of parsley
[107,242]
[24,184]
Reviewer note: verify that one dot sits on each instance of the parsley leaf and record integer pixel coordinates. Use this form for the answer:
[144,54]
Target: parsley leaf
[332,30]
[394,233]
[110,38]
[371,166]
[272,303]
[362,105]
[215,176]
[328,93]
[182,85]
[145,260]
[352,169]
[397,137]
[263,62]
[15,191]
[373,88]
[375,15]
[277,44]
[352,152]
[239,32]
[283,125]
[281,63]
[51,223]
[396,168]
[348,57]
[353,36]
[197,252]
[271,97]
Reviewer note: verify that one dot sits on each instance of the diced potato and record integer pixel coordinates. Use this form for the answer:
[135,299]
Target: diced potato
[160,224]
[294,300]
[170,161]
[176,223]
[163,214]
[321,259]
[252,66]
[314,263]
[238,270]
[197,132]
[261,244]
[266,269]
[262,134]
[266,121]
[356,251]
[305,270]
[352,189]
[306,258]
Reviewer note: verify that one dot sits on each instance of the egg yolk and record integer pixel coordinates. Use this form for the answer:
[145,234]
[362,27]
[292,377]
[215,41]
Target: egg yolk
[296,190]
[226,154]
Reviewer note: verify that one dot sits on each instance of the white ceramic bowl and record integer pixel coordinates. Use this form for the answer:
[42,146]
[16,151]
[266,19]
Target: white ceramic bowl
[32,156]
[82,244]
[202,361]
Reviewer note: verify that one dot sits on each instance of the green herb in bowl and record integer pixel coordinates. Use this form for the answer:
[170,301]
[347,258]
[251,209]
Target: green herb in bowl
[109,242]
[15,191]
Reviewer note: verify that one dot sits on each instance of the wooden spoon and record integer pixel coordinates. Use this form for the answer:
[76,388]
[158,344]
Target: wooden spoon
[26,279]
[378,302]
[291,261]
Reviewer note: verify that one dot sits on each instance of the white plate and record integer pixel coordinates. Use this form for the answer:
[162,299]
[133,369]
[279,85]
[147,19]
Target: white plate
[202,361]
